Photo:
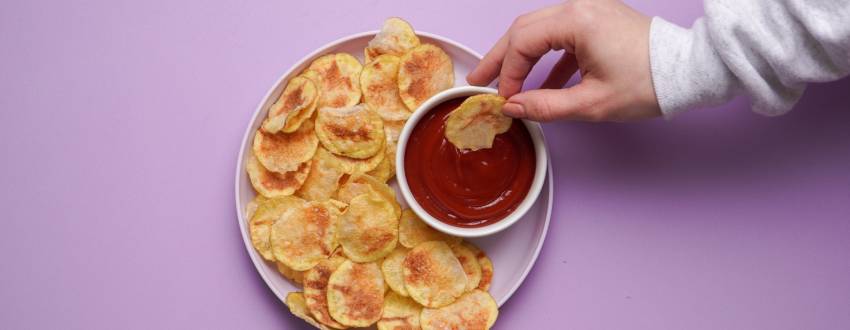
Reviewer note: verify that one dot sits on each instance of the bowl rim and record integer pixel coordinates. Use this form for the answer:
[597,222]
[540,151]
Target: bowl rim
[540,168]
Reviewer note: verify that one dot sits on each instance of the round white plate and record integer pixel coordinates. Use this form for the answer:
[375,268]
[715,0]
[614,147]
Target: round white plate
[513,250]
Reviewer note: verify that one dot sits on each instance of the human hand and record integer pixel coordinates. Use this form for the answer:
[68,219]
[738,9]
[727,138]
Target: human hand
[607,41]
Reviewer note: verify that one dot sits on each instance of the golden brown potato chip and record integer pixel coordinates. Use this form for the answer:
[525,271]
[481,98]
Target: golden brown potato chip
[412,231]
[356,294]
[477,121]
[274,184]
[393,130]
[284,152]
[359,184]
[340,205]
[295,104]
[305,235]
[316,289]
[353,165]
[424,71]
[386,168]
[298,307]
[290,274]
[314,77]
[475,310]
[338,78]
[368,230]
[391,268]
[323,180]
[354,132]
[380,88]
[396,38]
[432,274]
[470,265]
[267,211]
[400,313]
[486,266]
[251,207]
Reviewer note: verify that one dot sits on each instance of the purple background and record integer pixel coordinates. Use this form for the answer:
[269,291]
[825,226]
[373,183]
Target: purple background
[120,122]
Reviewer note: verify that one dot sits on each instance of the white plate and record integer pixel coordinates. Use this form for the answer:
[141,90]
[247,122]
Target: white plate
[513,250]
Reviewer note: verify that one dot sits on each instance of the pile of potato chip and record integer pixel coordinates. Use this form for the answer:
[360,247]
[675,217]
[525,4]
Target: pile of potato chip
[325,215]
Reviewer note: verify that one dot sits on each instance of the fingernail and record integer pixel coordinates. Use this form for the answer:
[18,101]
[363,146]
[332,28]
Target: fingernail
[514,110]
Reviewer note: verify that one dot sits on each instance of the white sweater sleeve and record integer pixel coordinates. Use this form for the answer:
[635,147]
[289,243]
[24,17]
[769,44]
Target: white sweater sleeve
[767,49]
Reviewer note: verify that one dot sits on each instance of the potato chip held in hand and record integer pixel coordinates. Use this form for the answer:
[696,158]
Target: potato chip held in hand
[477,121]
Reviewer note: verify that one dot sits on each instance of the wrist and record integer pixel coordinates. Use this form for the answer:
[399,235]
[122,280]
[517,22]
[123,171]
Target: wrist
[686,70]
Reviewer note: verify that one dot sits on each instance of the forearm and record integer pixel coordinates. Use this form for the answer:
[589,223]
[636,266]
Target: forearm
[766,49]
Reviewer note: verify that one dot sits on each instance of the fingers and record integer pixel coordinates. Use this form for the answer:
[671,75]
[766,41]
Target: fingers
[525,47]
[561,72]
[488,69]
[581,102]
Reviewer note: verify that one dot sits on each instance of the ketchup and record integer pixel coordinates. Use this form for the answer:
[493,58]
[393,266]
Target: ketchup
[467,188]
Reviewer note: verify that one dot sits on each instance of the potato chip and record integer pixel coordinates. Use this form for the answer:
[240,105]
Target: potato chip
[274,184]
[412,231]
[424,71]
[368,230]
[486,266]
[400,313]
[353,165]
[340,205]
[354,132]
[323,180]
[356,294]
[477,121]
[305,235]
[432,274]
[393,130]
[380,88]
[290,274]
[316,289]
[251,207]
[298,307]
[359,184]
[314,77]
[396,38]
[391,268]
[267,211]
[295,104]
[470,265]
[284,152]
[473,311]
[386,168]
[338,78]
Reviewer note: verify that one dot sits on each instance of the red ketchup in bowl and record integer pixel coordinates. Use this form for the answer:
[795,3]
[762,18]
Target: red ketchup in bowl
[467,188]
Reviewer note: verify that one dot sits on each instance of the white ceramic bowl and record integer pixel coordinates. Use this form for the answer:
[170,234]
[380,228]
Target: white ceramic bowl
[541,160]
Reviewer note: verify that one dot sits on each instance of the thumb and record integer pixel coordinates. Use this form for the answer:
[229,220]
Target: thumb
[575,103]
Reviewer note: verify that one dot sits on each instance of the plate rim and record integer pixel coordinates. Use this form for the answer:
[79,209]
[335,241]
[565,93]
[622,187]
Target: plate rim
[258,109]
